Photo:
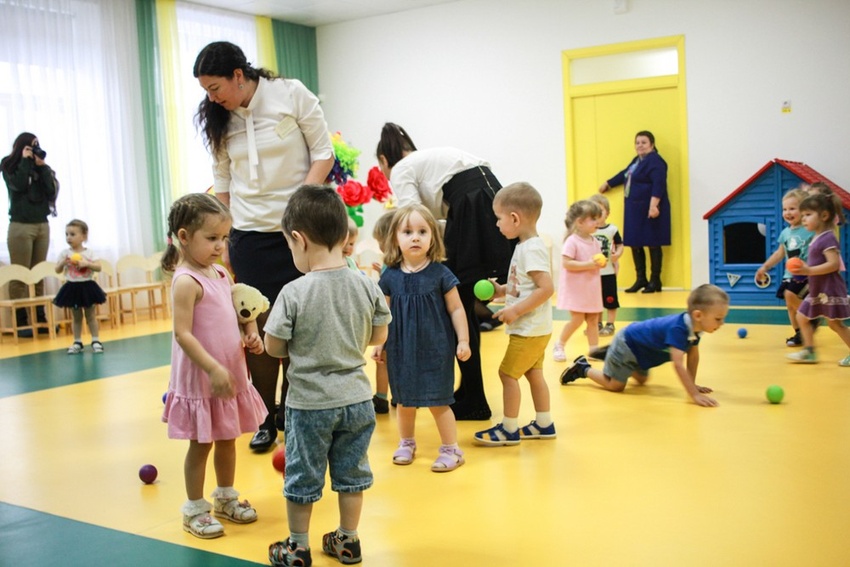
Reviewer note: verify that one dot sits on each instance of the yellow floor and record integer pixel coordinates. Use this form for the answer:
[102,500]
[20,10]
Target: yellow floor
[639,478]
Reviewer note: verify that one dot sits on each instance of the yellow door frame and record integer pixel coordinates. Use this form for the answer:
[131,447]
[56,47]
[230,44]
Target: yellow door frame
[676,81]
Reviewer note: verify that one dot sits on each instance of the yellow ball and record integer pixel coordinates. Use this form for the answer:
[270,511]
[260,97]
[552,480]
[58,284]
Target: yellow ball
[76,257]
[600,260]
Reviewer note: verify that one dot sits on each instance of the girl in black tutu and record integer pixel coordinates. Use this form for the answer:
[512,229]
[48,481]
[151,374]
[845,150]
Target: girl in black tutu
[80,292]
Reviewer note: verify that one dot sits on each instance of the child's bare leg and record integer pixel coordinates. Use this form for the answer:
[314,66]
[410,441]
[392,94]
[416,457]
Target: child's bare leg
[511,395]
[195,468]
[792,303]
[576,319]
[406,421]
[91,321]
[592,330]
[224,461]
[806,330]
[840,330]
[382,380]
[612,316]
[446,424]
[350,508]
[77,324]
[641,378]
[539,390]
[299,515]
[608,383]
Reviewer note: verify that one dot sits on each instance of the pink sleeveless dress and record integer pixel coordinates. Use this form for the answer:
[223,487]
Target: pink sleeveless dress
[191,411]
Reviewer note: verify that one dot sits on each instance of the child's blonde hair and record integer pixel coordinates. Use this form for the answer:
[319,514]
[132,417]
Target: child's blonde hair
[393,255]
[381,230]
[189,212]
[795,193]
[353,229]
[520,197]
[706,296]
[579,210]
[602,201]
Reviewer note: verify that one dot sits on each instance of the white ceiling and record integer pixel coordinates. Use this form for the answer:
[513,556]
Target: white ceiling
[319,12]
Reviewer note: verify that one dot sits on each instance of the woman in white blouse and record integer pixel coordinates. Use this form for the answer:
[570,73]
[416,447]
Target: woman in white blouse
[267,136]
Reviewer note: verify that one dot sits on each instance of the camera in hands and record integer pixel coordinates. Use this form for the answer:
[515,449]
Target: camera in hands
[38,152]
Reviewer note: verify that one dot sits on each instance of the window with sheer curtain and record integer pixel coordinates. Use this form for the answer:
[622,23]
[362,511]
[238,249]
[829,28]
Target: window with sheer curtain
[68,74]
[196,27]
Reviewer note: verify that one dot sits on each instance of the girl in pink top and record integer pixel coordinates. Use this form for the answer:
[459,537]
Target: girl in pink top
[210,400]
[580,287]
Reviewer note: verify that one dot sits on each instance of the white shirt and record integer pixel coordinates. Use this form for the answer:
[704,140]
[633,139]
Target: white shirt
[530,255]
[269,148]
[419,177]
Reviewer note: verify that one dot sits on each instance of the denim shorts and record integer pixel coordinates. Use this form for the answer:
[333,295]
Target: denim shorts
[315,439]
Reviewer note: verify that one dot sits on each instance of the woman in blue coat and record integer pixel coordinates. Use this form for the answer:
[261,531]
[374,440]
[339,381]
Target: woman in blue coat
[646,216]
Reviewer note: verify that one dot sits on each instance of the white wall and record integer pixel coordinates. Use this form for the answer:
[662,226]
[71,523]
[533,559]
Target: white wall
[485,76]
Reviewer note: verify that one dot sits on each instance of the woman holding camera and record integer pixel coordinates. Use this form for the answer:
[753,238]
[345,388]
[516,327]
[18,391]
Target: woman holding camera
[32,191]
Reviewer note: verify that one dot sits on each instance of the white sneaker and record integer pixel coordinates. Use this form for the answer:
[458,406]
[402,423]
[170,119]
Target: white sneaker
[558,353]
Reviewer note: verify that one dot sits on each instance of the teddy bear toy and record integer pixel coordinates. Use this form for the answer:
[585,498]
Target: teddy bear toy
[248,302]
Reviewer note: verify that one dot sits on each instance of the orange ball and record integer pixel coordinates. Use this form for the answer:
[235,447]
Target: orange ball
[600,260]
[279,459]
[794,265]
[76,257]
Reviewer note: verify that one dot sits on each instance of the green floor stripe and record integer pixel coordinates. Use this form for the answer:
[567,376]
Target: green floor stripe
[28,537]
[30,373]
[40,371]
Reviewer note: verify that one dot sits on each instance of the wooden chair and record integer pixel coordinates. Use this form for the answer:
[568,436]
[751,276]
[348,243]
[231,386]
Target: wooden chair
[151,286]
[46,271]
[106,279]
[22,274]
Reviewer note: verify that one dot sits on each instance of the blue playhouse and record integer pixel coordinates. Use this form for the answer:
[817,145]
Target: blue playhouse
[743,229]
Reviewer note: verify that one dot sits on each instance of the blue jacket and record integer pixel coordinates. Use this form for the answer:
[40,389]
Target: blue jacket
[648,180]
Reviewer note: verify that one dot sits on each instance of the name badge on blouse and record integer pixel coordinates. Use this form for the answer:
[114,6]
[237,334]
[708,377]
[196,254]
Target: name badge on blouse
[285,127]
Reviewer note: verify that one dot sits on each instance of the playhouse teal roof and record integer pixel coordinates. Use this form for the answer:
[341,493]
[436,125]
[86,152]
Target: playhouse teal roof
[800,169]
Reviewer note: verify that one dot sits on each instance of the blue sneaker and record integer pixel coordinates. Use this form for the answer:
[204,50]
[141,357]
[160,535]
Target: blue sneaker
[497,436]
[578,369]
[534,431]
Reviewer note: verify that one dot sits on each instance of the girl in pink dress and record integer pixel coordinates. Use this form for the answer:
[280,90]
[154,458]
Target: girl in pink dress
[210,400]
[580,287]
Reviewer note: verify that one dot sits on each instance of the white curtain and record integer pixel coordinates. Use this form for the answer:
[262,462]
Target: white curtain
[196,27]
[69,74]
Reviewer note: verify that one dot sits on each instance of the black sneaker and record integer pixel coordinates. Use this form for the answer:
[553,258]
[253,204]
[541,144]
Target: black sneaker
[344,548]
[794,341]
[381,404]
[288,554]
[578,369]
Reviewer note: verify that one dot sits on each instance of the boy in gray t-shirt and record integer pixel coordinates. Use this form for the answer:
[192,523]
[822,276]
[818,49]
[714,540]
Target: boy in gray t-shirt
[323,322]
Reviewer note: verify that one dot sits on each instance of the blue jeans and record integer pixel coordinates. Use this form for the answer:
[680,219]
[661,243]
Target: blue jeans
[338,437]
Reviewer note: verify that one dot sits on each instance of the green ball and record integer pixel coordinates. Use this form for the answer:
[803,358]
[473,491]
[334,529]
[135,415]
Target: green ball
[484,289]
[775,394]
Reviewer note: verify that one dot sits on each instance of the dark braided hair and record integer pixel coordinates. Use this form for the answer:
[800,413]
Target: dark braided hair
[394,142]
[220,59]
[189,212]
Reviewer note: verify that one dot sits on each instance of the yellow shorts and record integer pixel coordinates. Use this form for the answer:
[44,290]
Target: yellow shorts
[524,354]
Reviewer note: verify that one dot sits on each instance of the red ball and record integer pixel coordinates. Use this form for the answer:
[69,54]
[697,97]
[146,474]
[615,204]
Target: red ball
[793,265]
[147,474]
[279,459]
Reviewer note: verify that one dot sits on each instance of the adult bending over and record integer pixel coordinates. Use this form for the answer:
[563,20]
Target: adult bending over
[646,217]
[267,136]
[458,187]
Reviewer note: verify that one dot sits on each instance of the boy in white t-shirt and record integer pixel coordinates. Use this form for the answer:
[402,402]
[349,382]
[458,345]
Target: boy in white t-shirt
[527,315]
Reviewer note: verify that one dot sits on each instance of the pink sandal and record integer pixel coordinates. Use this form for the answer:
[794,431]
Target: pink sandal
[405,452]
[450,458]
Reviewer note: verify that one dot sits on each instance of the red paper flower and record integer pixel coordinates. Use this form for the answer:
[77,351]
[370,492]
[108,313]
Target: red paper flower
[354,193]
[379,185]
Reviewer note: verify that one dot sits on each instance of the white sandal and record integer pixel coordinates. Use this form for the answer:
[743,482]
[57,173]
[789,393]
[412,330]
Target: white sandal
[235,511]
[203,526]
